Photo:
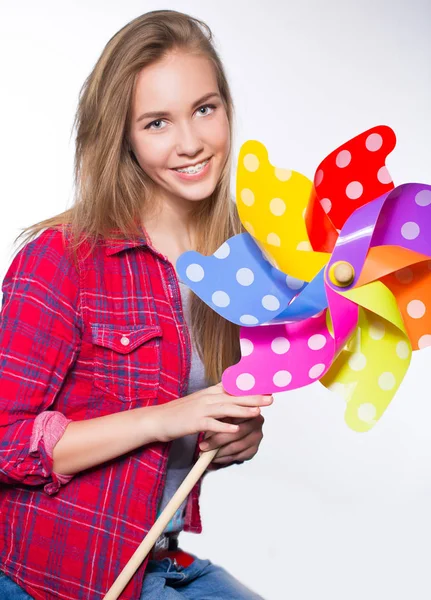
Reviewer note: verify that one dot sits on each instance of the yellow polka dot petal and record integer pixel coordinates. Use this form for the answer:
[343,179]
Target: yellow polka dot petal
[374,361]
[272,201]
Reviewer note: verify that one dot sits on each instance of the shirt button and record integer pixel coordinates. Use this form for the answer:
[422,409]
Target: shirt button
[125,340]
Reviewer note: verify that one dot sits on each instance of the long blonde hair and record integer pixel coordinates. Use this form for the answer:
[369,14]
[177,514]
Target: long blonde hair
[112,190]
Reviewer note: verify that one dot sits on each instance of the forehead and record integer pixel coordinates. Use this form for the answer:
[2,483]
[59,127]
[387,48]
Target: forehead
[177,79]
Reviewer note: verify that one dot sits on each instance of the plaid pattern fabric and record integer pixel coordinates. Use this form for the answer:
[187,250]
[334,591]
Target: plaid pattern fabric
[84,342]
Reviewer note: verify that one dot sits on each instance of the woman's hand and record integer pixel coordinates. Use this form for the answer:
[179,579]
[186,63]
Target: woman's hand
[208,410]
[239,446]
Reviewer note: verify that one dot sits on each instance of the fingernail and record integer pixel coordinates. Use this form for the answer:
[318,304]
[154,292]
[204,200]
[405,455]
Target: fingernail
[204,445]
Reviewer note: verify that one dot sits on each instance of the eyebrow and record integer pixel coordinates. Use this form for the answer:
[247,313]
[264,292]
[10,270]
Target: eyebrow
[163,114]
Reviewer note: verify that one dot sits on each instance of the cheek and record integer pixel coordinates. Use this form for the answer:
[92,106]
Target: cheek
[221,134]
[153,154]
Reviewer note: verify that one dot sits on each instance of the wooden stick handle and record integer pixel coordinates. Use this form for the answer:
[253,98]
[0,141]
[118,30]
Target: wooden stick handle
[159,526]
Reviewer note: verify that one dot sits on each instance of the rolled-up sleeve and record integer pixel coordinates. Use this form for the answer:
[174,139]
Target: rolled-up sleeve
[40,337]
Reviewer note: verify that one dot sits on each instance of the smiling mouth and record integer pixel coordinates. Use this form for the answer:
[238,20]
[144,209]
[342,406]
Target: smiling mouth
[192,170]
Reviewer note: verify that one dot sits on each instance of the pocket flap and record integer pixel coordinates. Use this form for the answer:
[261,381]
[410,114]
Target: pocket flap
[123,339]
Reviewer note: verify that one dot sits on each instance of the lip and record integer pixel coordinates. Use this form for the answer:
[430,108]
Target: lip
[195,176]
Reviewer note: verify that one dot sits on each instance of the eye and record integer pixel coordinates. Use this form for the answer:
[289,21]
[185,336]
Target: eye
[153,124]
[205,106]
[150,125]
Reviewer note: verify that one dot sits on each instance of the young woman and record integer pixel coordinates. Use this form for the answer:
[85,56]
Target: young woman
[109,369]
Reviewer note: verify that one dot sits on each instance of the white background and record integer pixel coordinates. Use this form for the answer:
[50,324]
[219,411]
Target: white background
[321,512]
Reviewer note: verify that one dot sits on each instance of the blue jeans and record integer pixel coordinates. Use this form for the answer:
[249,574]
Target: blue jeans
[163,581]
[199,581]
[10,590]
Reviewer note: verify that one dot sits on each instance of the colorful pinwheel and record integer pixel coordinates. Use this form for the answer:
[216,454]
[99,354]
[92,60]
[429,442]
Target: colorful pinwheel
[332,280]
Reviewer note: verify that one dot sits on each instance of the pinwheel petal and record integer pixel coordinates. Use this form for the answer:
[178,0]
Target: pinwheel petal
[277,358]
[369,371]
[271,202]
[350,177]
[238,282]
[411,287]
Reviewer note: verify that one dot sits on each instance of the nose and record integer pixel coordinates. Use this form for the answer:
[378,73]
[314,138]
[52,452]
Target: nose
[188,142]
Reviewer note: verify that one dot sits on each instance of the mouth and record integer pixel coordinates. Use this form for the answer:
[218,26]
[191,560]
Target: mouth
[196,172]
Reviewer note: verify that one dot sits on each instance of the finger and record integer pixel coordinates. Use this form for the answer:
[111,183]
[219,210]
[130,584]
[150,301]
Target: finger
[225,460]
[257,400]
[216,440]
[221,411]
[238,446]
[216,426]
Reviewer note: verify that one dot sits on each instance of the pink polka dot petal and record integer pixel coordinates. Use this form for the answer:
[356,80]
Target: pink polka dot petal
[282,378]
[247,347]
[316,341]
[374,142]
[245,382]
[316,371]
[280,345]
[343,159]
[383,175]
[354,190]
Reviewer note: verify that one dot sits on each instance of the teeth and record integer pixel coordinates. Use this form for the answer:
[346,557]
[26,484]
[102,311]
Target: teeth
[194,169]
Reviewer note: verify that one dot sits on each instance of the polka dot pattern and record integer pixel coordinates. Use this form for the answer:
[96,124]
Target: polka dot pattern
[423,198]
[374,142]
[383,175]
[247,197]
[411,286]
[316,341]
[220,299]
[326,205]
[245,276]
[195,272]
[238,282]
[294,284]
[424,341]
[251,162]
[282,174]
[367,412]
[246,346]
[416,309]
[223,251]
[351,176]
[387,381]
[272,356]
[369,370]
[343,159]
[273,239]
[292,354]
[354,190]
[277,206]
[410,230]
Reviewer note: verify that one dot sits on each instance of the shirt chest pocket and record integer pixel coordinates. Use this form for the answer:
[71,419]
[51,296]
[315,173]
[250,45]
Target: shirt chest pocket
[127,360]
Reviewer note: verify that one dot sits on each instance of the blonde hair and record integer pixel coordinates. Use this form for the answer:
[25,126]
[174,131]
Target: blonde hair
[112,190]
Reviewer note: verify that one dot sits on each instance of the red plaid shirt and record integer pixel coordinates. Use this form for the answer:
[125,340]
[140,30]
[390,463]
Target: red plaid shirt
[65,355]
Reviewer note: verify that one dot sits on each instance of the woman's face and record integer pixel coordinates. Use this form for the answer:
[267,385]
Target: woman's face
[188,126]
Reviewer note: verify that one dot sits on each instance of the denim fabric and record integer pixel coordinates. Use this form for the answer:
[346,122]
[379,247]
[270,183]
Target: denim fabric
[10,590]
[201,580]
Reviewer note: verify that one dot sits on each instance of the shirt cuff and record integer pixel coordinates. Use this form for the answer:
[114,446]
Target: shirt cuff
[49,426]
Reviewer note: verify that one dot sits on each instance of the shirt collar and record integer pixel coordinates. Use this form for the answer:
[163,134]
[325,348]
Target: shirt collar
[113,246]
